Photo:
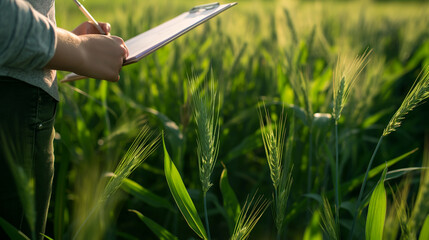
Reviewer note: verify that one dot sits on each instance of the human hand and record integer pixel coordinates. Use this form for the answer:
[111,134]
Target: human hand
[89,28]
[92,55]
[102,61]
[103,55]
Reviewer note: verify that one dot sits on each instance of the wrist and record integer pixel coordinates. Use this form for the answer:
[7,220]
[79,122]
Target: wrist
[68,53]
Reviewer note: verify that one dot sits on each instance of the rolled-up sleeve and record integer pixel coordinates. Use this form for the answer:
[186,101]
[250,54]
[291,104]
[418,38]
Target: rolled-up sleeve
[27,38]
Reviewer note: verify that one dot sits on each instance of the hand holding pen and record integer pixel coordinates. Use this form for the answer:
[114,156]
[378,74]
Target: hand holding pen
[89,28]
[90,18]
[88,53]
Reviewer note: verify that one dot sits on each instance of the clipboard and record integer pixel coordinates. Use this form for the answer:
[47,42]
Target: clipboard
[148,42]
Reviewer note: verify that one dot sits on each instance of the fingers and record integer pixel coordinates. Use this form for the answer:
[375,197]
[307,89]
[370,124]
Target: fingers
[103,56]
[120,56]
[92,55]
[90,28]
[124,54]
[106,27]
[124,47]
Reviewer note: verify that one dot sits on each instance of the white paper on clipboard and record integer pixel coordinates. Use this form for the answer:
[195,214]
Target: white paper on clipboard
[145,43]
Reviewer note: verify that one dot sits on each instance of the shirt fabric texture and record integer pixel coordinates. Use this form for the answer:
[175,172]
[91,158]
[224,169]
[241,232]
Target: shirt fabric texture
[27,42]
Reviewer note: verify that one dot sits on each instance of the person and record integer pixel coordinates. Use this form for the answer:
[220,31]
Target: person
[32,47]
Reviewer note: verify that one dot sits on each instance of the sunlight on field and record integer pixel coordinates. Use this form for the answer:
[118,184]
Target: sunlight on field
[283,55]
[251,22]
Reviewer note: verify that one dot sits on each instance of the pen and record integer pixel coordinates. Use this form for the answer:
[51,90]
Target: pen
[89,17]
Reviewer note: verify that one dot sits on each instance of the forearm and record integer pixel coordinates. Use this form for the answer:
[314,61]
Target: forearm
[92,55]
[68,52]
[30,41]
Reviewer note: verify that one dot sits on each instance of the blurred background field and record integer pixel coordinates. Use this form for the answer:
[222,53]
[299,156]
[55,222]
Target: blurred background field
[280,52]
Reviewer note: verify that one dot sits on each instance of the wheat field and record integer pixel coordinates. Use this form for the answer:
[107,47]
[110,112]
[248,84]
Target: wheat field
[274,120]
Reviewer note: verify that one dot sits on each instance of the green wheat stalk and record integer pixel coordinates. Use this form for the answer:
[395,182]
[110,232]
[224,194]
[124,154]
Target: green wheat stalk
[328,224]
[250,214]
[273,136]
[23,176]
[143,146]
[421,205]
[207,119]
[345,76]
[281,201]
[344,79]
[418,93]
[206,113]
[398,216]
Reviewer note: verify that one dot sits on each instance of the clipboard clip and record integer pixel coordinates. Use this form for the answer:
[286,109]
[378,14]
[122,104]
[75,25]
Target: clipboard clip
[204,7]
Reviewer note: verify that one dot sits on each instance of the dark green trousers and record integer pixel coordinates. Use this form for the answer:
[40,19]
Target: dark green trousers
[27,116]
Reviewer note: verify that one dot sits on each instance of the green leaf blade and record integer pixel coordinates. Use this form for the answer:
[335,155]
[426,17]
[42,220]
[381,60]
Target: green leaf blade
[377,211]
[424,233]
[11,231]
[313,231]
[145,195]
[181,196]
[230,202]
[158,230]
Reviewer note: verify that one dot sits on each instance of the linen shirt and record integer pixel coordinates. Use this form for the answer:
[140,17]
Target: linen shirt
[27,42]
